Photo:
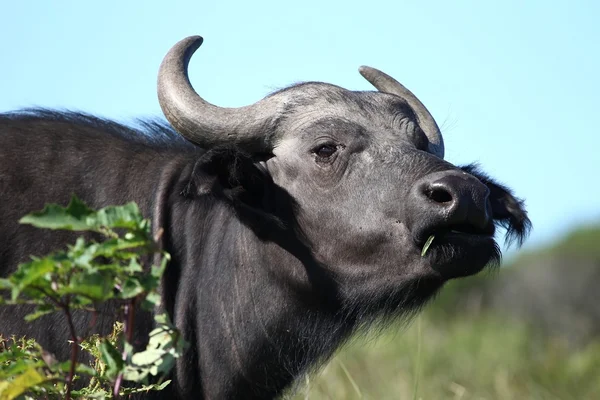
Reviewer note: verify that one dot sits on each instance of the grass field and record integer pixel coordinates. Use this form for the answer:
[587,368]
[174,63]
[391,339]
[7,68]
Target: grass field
[485,357]
[519,346]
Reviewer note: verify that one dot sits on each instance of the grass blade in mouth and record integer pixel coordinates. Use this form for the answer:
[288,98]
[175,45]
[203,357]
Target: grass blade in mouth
[427,244]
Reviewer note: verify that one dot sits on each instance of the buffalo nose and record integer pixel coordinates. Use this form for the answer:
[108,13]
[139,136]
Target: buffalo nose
[459,199]
[449,200]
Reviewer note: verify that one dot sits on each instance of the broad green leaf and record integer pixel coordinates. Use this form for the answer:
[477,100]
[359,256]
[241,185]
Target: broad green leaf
[29,273]
[65,367]
[167,362]
[77,216]
[133,267]
[162,319]
[164,347]
[152,300]
[111,248]
[97,286]
[83,254]
[16,366]
[130,288]
[41,310]
[20,384]
[127,216]
[111,357]
[53,216]
[149,282]
[158,270]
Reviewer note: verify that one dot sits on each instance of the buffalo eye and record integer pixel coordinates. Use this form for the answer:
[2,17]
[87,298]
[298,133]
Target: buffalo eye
[324,152]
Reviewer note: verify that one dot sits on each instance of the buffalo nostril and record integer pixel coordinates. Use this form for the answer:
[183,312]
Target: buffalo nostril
[439,195]
[448,203]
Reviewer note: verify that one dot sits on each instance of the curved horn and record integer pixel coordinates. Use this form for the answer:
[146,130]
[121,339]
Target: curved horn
[202,122]
[385,83]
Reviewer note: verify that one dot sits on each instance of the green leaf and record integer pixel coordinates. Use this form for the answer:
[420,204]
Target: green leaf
[65,368]
[16,366]
[41,310]
[149,282]
[145,388]
[53,216]
[77,216]
[11,389]
[133,267]
[96,286]
[162,319]
[5,284]
[130,288]
[164,347]
[127,216]
[29,273]
[111,357]
[83,254]
[158,270]
[96,393]
[79,278]
[152,300]
[111,248]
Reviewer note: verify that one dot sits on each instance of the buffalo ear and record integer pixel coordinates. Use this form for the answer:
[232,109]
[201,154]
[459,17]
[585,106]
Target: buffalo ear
[508,211]
[238,178]
[227,172]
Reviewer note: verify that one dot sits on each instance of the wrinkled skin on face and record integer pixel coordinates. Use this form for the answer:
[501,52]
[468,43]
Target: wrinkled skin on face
[351,168]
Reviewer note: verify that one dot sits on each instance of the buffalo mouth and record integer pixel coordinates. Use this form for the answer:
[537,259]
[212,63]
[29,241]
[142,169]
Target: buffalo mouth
[457,251]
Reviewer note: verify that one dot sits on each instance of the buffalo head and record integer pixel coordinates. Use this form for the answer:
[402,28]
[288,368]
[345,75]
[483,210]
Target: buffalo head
[367,179]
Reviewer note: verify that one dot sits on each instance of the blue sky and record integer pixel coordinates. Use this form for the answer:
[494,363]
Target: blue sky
[514,85]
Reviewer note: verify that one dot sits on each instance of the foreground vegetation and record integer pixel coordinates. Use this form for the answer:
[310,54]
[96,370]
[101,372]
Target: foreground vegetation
[479,341]
[78,280]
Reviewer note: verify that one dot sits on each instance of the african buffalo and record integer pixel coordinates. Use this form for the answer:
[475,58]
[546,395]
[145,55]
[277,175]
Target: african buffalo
[291,222]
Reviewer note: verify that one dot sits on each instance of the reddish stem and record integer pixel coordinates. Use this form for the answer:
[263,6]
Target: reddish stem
[75,341]
[128,329]
[74,349]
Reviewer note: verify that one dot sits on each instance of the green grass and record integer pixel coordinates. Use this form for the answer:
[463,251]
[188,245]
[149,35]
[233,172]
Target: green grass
[461,348]
[483,357]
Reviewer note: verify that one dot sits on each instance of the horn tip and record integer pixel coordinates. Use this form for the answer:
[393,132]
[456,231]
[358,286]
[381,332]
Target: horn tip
[194,41]
[371,74]
[364,69]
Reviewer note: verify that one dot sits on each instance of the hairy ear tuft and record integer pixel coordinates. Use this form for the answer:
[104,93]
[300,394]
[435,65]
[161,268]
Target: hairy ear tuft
[508,211]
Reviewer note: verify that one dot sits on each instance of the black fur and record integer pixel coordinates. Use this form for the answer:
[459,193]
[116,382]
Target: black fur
[509,211]
[258,294]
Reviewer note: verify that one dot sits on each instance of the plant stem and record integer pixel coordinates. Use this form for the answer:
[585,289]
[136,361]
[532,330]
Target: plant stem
[74,340]
[74,348]
[128,329]
[117,386]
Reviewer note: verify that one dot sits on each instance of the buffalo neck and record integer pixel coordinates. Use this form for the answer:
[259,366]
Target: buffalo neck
[257,312]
